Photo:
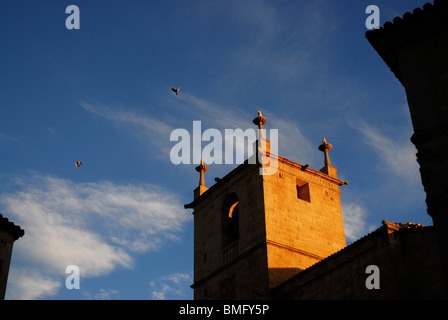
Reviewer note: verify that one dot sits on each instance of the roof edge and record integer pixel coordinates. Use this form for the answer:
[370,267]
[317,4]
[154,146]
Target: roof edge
[10,227]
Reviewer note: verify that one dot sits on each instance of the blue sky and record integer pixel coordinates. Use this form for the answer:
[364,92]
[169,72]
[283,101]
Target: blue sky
[101,95]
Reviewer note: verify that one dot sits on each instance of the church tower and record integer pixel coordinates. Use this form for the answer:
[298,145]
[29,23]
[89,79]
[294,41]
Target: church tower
[253,231]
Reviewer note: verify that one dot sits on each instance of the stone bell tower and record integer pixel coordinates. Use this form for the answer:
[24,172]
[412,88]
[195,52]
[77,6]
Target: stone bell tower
[253,231]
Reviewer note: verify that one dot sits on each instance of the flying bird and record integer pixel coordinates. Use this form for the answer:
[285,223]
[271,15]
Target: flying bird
[78,163]
[176,90]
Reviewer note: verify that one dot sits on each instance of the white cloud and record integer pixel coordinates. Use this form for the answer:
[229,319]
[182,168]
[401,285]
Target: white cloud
[104,294]
[396,156]
[397,175]
[27,284]
[153,131]
[188,108]
[355,221]
[174,285]
[96,226]
[292,142]
[127,116]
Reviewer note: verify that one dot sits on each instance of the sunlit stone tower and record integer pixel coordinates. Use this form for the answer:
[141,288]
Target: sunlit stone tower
[253,231]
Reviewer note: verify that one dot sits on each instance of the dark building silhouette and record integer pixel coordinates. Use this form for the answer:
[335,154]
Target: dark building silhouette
[415,48]
[407,259]
[9,232]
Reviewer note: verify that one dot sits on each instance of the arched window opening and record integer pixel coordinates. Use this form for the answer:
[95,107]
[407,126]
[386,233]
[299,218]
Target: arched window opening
[232,208]
[230,220]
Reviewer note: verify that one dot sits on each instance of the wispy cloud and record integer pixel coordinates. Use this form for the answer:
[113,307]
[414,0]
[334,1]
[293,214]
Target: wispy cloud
[396,171]
[266,30]
[187,108]
[355,221]
[26,284]
[170,287]
[292,141]
[395,156]
[8,138]
[154,132]
[104,294]
[132,118]
[96,226]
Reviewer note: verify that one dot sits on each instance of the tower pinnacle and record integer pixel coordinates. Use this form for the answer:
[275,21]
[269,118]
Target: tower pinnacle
[201,169]
[328,168]
[325,147]
[259,122]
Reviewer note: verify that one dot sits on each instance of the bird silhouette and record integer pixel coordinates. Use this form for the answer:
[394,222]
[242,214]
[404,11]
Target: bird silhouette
[176,90]
[78,163]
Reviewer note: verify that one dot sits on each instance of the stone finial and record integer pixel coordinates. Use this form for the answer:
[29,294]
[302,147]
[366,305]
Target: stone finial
[201,169]
[325,147]
[259,122]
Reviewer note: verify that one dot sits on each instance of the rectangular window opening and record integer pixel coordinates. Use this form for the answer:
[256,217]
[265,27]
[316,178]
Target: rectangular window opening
[303,190]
